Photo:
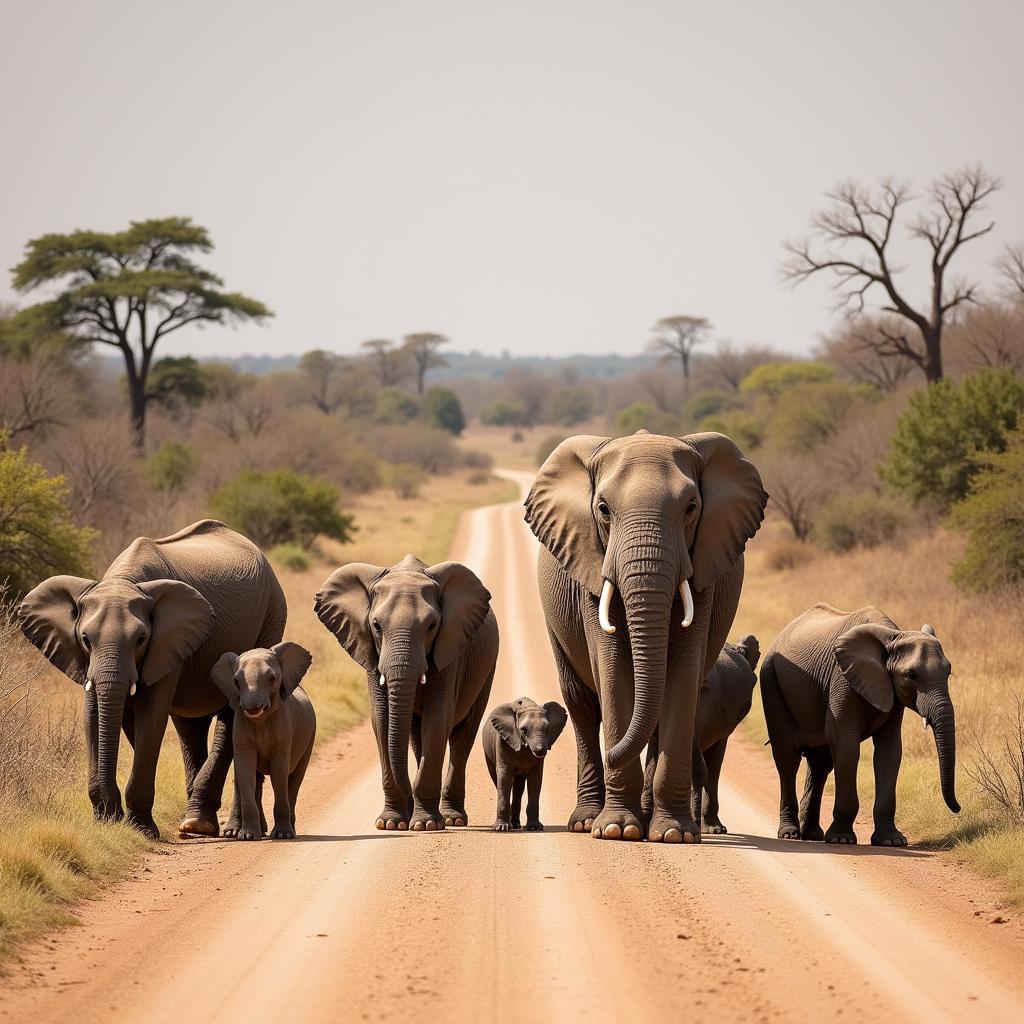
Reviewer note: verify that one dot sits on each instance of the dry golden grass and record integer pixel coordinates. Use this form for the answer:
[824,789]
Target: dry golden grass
[51,851]
[497,442]
[981,637]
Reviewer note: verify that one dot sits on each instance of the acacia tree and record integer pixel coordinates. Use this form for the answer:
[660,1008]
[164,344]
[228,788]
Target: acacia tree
[851,239]
[130,289]
[323,371]
[422,347]
[676,337]
[388,361]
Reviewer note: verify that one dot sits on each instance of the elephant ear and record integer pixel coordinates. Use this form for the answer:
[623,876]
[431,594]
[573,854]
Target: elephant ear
[503,718]
[733,503]
[48,616]
[556,720]
[223,676]
[751,650]
[465,602]
[342,604]
[180,620]
[295,661]
[861,653]
[559,510]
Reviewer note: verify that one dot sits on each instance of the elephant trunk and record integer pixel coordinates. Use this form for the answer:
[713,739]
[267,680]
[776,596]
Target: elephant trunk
[400,700]
[938,711]
[112,675]
[648,582]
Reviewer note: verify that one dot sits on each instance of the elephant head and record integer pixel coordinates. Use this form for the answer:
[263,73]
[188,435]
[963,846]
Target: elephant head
[526,724]
[884,664]
[399,624]
[257,681]
[647,518]
[111,636]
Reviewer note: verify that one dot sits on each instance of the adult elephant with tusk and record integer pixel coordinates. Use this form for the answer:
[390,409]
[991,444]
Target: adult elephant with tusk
[428,641]
[640,570]
[141,641]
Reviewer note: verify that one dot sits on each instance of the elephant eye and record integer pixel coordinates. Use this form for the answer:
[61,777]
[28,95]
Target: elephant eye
[911,674]
[376,627]
[85,641]
[603,509]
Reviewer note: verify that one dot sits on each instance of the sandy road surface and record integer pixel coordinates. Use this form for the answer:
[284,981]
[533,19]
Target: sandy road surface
[352,924]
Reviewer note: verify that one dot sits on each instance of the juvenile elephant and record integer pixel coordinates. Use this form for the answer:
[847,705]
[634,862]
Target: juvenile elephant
[829,681]
[428,641]
[640,570]
[142,641]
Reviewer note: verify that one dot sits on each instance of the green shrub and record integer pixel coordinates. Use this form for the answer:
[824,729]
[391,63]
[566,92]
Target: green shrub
[941,440]
[503,412]
[171,466]
[393,405]
[547,446]
[992,516]
[37,537]
[280,507]
[645,416]
[443,410]
[772,379]
[405,479]
[291,556]
[746,430]
[570,406]
[707,403]
[865,520]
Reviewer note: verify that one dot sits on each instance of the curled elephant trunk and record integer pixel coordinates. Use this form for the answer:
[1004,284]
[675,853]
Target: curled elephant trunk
[938,712]
[400,700]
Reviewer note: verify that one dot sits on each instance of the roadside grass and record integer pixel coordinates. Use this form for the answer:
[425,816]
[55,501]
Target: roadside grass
[981,637]
[52,853]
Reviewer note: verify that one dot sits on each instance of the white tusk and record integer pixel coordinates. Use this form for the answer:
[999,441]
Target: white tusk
[606,602]
[88,685]
[131,690]
[924,723]
[423,679]
[684,593]
[383,681]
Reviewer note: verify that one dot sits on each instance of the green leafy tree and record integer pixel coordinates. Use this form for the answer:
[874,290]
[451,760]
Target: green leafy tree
[645,416]
[130,289]
[569,406]
[37,537]
[804,417]
[503,412]
[393,405]
[443,410]
[322,372]
[942,439]
[177,380]
[172,466]
[992,516]
[771,379]
[281,507]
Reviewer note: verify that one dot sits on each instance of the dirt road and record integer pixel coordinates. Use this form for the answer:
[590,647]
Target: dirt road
[352,924]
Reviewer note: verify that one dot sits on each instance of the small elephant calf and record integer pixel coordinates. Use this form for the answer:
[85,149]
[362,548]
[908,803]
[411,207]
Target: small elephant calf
[273,733]
[516,738]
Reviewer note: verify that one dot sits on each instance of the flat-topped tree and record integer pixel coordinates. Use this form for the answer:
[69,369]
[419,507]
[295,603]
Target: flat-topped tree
[676,337]
[130,289]
[423,347]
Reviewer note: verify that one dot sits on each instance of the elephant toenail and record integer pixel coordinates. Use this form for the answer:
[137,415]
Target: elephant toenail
[431,827]
[631,832]
[380,823]
[390,826]
[578,827]
[403,826]
[613,831]
[596,833]
[689,837]
[673,835]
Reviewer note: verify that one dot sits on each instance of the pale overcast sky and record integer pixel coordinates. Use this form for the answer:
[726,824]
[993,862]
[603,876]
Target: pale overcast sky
[542,177]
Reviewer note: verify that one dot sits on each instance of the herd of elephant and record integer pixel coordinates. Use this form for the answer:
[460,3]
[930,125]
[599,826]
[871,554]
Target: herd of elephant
[640,572]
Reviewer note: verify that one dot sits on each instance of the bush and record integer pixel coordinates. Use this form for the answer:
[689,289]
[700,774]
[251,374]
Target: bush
[992,516]
[941,439]
[862,520]
[503,412]
[772,379]
[442,409]
[570,406]
[737,424]
[291,556]
[478,477]
[432,450]
[171,466]
[405,479]
[475,459]
[547,446]
[280,507]
[37,537]
[393,405]
[788,554]
[707,403]
[645,416]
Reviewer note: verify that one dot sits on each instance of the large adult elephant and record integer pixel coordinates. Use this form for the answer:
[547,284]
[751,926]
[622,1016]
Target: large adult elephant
[640,572]
[142,641]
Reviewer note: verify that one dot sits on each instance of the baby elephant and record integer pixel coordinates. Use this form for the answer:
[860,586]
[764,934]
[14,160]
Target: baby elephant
[274,728]
[725,701]
[516,739]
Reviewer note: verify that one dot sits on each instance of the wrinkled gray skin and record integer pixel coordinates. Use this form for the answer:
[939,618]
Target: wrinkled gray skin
[155,623]
[516,738]
[428,641]
[829,681]
[273,733]
[645,513]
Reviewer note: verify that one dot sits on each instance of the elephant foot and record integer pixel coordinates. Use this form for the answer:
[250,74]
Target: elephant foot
[788,831]
[390,820]
[454,817]
[283,832]
[502,826]
[142,821]
[812,834]
[199,823]
[427,824]
[534,826]
[582,819]
[617,823]
[841,836]
[713,828]
[107,812]
[890,837]
[665,828]
[248,833]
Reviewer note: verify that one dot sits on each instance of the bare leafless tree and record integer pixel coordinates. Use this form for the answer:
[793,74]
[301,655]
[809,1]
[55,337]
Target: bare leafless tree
[1011,269]
[858,351]
[991,337]
[676,337]
[730,364]
[36,393]
[863,218]
[422,347]
[796,488]
[390,363]
[322,372]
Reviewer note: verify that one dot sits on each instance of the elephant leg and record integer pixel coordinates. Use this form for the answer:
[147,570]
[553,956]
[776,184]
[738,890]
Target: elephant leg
[518,785]
[279,775]
[460,746]
[259,802]
[710,823]
[193,734]
[91,725]
[647,800]
[846,756]
[249,826]
[819,766]
[295,781]
[152,709]
[888,754]
[786,744]
[534,780]
[204,803]
[397,804]
[585,711]
[504,784]
[435,729]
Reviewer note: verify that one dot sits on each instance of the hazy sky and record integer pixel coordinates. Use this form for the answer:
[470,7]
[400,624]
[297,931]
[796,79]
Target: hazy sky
[543,177]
